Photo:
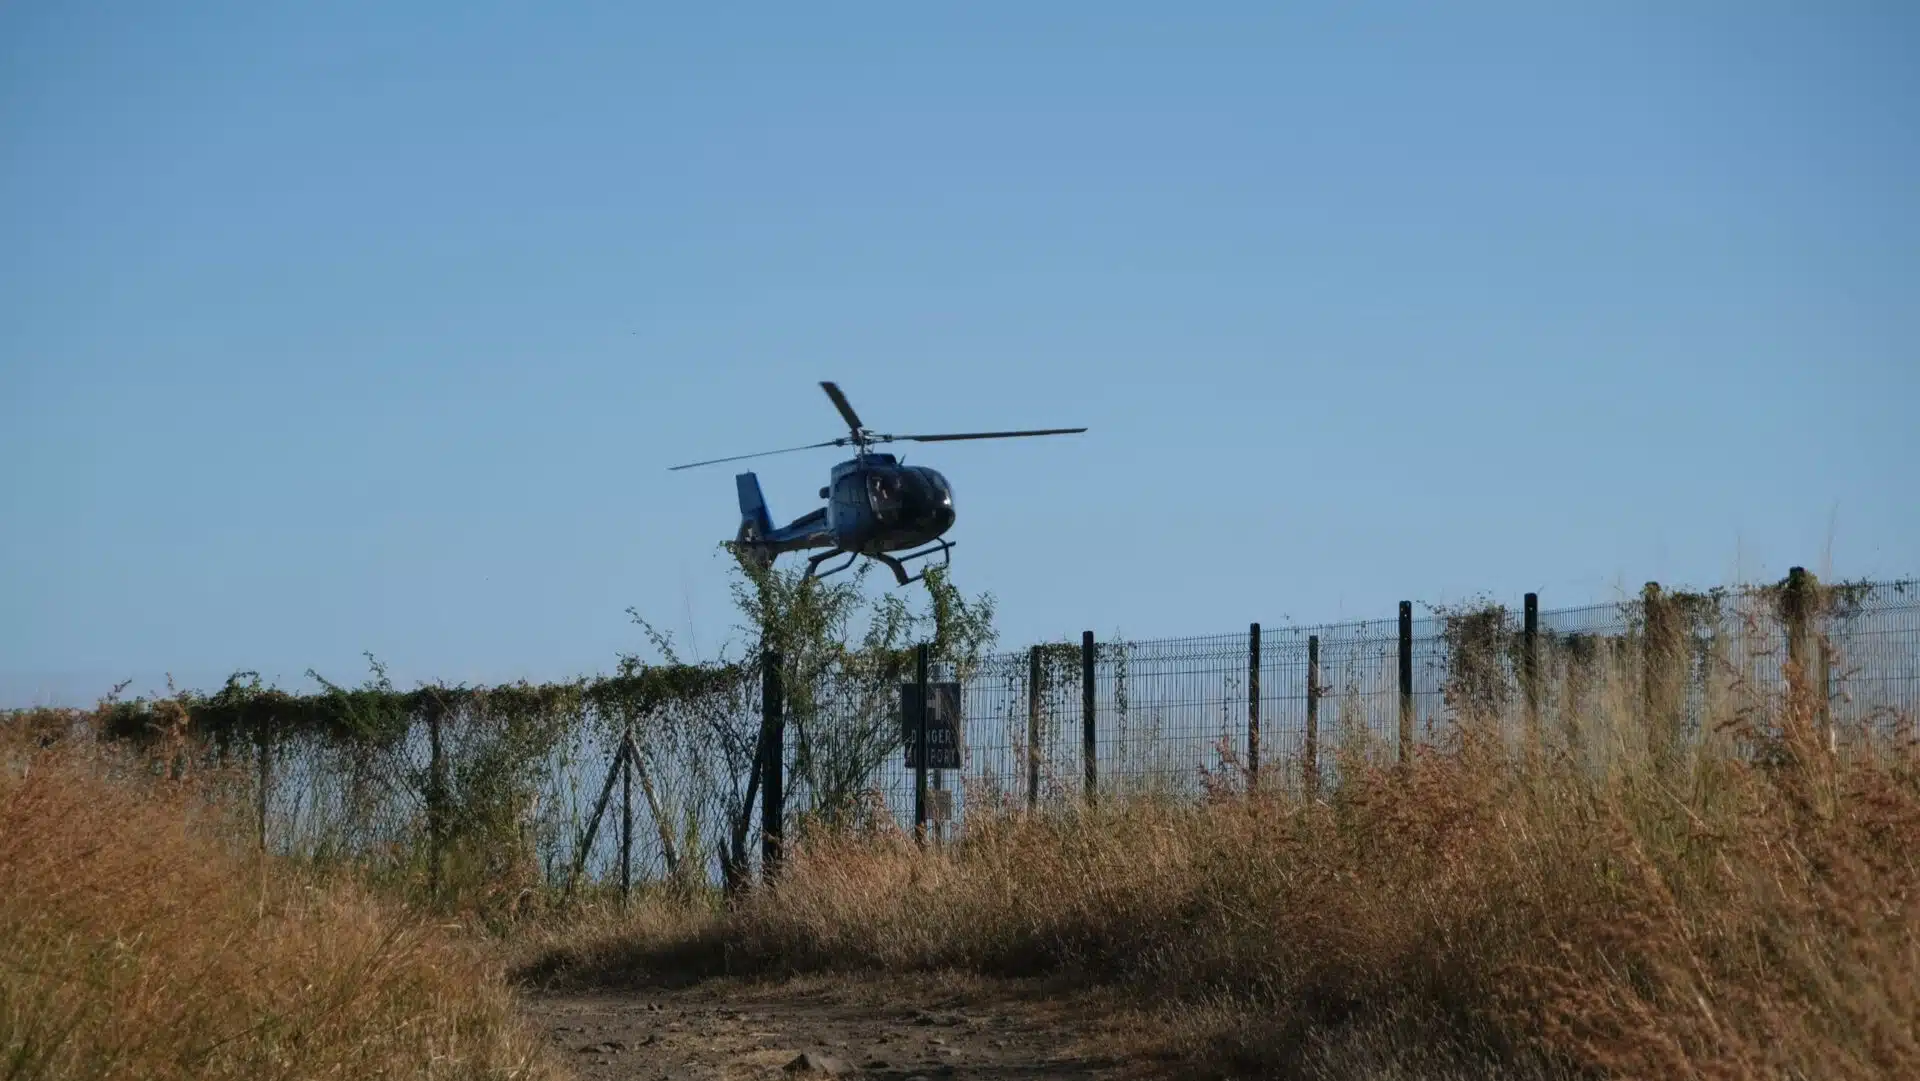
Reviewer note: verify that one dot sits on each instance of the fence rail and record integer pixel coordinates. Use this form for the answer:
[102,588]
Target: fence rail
[1052,725]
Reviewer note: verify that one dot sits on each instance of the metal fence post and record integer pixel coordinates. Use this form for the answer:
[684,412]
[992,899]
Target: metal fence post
[1312,750]
[1801,601]
[920,744]
[599,811]
[625,761]
[1663,675]
[1530,668]
[1033,728]
[1087,731]
[1253,705]
[1406,683]
[772,795]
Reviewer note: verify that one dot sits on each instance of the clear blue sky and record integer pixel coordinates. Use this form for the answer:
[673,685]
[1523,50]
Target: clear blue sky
[375,326]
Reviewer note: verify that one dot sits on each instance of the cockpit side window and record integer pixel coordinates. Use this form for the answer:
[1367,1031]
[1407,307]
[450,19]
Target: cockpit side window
[883,491]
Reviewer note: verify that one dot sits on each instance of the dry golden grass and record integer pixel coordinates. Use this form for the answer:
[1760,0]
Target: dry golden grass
[133,943]
[1581,908]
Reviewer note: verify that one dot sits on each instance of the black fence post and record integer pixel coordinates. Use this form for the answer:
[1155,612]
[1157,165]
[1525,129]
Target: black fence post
[1806,649]
[1406,683]
[920,745]
[1087,730]
[625,762]
[1033,728]
[772,758]
[1253,705]
[1530,668]
[1663,665]
[1312,749]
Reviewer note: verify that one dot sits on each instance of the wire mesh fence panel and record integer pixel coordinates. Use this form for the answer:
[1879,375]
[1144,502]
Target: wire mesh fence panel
[575,771]
[1874,660]
[1283,702]
[1582,658]
[1430,678]
[1170,715]
[329,800]
[1172,720]
[1359,671]
[1058,770]
[714,754]
[997,728]
[846,759]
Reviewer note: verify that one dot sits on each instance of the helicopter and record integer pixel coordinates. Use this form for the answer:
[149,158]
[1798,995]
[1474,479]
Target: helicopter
[876,505]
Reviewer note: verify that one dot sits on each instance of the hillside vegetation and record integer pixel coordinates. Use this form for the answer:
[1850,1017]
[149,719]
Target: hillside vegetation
[136,943]
[1746,905]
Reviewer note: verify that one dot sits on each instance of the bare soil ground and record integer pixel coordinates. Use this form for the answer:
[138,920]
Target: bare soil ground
[857,1027]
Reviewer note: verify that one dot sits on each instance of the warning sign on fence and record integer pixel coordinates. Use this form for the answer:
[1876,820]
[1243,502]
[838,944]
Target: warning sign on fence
[943,725]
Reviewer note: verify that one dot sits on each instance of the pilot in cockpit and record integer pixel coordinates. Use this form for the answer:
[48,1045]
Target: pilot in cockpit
[884,491]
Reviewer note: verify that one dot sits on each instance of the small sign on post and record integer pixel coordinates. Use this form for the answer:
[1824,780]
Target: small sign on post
[943,725]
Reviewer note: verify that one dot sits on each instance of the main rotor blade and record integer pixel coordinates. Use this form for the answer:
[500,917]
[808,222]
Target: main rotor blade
[758,454]
[840,402]
[979,435]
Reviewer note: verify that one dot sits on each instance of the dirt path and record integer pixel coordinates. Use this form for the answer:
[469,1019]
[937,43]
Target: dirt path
[860,1027]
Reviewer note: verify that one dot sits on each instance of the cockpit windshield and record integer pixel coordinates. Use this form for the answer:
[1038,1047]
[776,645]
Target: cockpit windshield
[942,491]
[908,494]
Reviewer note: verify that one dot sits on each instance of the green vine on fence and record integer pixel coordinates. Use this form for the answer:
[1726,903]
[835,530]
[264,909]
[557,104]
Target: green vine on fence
[696,725]
[469,831]
[1481,642]
[377,715]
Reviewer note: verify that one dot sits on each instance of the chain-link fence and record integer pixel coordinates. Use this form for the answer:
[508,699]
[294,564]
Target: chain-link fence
[400,806]
[533,781]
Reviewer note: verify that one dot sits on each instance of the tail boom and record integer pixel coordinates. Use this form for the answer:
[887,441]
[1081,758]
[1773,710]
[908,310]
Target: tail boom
[759,541]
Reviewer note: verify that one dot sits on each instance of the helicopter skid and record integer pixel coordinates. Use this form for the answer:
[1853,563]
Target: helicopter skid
[897,564]
[813,564]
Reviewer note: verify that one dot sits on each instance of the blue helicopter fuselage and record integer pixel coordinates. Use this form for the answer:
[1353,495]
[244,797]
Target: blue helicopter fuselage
[873,505]
[878,505]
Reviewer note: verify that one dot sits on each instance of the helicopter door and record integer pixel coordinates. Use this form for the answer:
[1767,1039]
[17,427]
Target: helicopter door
[848,507]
